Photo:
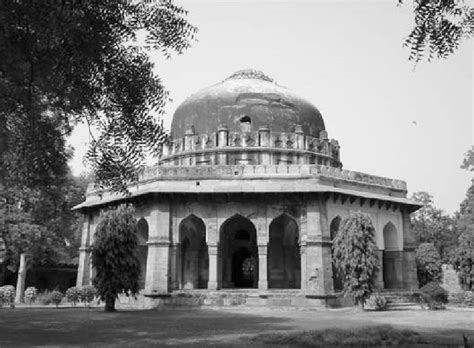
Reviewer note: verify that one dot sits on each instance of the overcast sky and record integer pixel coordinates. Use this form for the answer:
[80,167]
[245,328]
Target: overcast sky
[345,57]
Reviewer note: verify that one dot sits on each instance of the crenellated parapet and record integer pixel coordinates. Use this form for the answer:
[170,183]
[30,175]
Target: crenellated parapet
[224,147]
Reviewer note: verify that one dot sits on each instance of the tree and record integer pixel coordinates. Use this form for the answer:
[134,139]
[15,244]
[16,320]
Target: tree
[428,264]
[355,254]
[64,62]
[432,225]
[463,258]
[115,255]
[440,26]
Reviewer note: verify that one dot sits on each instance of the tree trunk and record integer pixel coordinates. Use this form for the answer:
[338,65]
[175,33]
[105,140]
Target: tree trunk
[109,302]
[20,284]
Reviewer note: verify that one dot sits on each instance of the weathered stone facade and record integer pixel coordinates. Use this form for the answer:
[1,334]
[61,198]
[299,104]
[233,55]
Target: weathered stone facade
[255,209]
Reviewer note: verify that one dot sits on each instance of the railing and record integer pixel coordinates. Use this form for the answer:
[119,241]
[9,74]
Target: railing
[263,138]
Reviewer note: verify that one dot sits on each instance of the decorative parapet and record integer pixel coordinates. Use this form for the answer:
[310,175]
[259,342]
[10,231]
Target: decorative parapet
[263,140]
[254,171]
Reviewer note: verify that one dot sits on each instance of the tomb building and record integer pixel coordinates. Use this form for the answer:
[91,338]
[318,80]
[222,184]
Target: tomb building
[248,193]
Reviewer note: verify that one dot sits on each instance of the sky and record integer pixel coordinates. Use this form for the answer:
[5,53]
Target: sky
[391,118]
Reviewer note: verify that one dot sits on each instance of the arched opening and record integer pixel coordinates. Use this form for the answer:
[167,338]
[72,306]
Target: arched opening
[338,282]
[390,254]
[142,234]
[194,255]
[238,253]
[284,260]
[245,123]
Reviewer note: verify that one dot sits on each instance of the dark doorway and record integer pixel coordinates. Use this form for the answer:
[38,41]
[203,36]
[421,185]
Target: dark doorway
[243,267]
[238,254]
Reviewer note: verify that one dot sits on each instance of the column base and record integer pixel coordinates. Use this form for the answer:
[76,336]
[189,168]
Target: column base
[211,285]
[263,285]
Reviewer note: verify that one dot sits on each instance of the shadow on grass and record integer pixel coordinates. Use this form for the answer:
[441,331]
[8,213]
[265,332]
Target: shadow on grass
[81,326]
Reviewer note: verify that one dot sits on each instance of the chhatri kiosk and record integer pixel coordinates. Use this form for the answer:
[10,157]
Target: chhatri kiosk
[248,194]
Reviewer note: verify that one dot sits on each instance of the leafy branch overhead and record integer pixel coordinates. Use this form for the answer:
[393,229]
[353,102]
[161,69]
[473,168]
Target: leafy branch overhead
[440,26]
[63,63]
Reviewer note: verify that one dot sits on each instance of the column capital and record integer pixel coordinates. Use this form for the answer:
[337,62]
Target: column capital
[262,249]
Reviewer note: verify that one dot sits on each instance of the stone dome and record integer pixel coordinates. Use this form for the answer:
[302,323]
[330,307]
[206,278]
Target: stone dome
[247,96]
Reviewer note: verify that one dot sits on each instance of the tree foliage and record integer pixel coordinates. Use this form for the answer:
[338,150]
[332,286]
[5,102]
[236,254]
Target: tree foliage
[463,257]
[432,225]
[355,254]
[40,223]
[440,26]
[428,264]
[64,62]
[115,255]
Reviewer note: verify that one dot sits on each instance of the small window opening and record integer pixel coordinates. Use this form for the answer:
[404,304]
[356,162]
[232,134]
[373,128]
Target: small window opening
[245,119]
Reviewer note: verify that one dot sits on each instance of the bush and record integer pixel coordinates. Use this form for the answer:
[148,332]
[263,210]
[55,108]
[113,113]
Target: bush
[7,296]
[428,264]
[379,302]
[44,297]
[87,294]
[468,300]
[30,294]
[73,295]
[434,295]
[56,297]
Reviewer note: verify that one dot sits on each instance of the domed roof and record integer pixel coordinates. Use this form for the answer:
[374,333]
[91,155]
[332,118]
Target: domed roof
[246,93]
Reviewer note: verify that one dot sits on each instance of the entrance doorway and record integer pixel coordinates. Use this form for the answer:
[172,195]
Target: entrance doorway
[238,254]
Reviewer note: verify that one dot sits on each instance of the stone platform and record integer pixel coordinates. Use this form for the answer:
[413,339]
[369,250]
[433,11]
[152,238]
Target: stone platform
[231,297]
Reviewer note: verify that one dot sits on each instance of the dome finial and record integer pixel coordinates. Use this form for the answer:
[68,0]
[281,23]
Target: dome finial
[250,74]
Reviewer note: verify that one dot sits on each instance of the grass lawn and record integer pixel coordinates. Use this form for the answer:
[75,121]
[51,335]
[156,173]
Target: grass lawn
[230,327]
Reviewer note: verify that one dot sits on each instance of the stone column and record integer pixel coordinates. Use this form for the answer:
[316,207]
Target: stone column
[179,266]
[264,141]
[262,267]
[158,249]
[410,279]
[318,249]
[83,272]
[304,276]
[212,283]
[173,266]
[379,277]
[222,141]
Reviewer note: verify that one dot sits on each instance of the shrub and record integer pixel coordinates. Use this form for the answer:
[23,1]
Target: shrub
[73,295]
[468,300]
[7,296]
[355,256]
[56,297]
[44,297]
[428,264]
[30,294]
[87,294]
[379,302]
[434,295]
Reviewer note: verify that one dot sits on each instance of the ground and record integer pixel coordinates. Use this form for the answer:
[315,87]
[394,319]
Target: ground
[211,327]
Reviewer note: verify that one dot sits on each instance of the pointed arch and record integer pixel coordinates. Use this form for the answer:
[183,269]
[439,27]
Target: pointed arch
[194,257]
[390,255]
[238,261]
[142,235]
[284,260]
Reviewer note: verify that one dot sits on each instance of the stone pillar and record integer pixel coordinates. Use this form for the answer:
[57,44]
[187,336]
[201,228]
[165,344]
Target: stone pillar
[83,271]
[174,266]
[179,266]
[212,283]
[157,271]
[264,141]
[318,249]
[410,279]
[222,141]
[379,277]
[304,276]
[262,267]
[299,137]
[20,284]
